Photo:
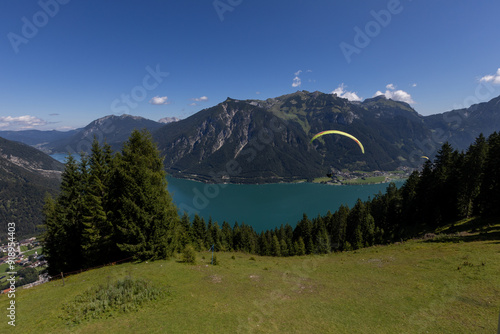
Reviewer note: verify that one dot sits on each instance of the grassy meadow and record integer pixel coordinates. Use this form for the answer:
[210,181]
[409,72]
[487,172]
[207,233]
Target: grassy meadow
[439,284]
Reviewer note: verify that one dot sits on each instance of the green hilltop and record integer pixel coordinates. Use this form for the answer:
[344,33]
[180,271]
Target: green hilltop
[445,283]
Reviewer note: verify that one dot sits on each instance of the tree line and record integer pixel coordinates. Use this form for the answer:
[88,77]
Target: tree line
[113,206]
[454,186]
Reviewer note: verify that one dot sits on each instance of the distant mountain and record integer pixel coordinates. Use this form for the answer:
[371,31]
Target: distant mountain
[26,175]
[113,129]
[269,141]
[461,127]
[37,138]
[166,120]
[254,141]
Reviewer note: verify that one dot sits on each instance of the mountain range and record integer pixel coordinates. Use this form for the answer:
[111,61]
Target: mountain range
[253,141]
[262,141]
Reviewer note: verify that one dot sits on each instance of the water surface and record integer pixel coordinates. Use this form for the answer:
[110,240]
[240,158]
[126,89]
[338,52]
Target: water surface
[264,206]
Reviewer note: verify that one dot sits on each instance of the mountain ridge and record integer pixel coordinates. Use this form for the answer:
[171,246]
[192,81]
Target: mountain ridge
[26,175]
[200,145]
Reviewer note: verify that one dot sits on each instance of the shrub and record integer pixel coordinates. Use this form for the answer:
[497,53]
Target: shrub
[189,254]
[121,296]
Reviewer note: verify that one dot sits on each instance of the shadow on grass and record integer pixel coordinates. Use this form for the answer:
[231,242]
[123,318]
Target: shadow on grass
[476,229]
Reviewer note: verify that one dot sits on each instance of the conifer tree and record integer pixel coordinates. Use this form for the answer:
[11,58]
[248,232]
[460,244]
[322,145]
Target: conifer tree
[62,222]
[199,232]
[96,228]
[301,247]
[471,176]
[275,246]
[337,227]
[227,236]
[490,190]
[144,215]
[186,232]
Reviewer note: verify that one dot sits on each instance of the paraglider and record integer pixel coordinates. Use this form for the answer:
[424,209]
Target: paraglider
[339,133]
[424,157]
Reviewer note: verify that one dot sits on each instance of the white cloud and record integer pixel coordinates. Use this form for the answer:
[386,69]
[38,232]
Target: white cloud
[414,85]
[341,92]
[159,100]
[20,122]
[200,99]
[296,82]
[193,104]
[297,73]
[396,95]
[495,78]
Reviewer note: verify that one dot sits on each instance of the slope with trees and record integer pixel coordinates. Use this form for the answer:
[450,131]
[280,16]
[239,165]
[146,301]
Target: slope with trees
[110,207]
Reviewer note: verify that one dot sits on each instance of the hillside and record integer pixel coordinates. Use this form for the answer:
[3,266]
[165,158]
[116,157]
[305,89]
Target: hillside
[256,141]
[441,284]
[37,138]
[269,140]
[460,127]
[113,129]
[26,174]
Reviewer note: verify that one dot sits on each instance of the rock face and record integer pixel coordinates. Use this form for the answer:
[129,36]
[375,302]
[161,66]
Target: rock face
[269,141]
[255,141]
[166,120]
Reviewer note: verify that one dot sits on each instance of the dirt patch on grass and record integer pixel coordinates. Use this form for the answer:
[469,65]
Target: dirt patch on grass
[215,279]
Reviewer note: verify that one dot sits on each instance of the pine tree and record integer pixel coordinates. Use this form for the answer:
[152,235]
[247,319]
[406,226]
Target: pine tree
[284,248]
[360,226]
[96,229]
[337,227]
[62,223]
[490,190]
[199,232]
[186,232]
[227,236]
[145,216]
[409,209]
[54,237]
[301,247]
[471,176]
[275,247]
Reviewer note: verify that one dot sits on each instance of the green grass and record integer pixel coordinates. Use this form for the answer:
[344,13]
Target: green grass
[38,250]
[322,179]
[368,180]
[24,248]
[434,285]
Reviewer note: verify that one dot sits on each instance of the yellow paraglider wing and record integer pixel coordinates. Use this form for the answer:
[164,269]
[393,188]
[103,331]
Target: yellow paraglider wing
[424,157]
[339,133]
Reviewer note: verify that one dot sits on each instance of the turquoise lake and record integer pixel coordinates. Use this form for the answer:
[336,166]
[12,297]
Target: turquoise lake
[268,205]
[263,206]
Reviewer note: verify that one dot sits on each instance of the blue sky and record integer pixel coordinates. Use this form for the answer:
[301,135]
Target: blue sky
[64,63]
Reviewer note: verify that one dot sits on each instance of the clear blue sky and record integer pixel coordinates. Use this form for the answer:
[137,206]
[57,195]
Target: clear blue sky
[66,65]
